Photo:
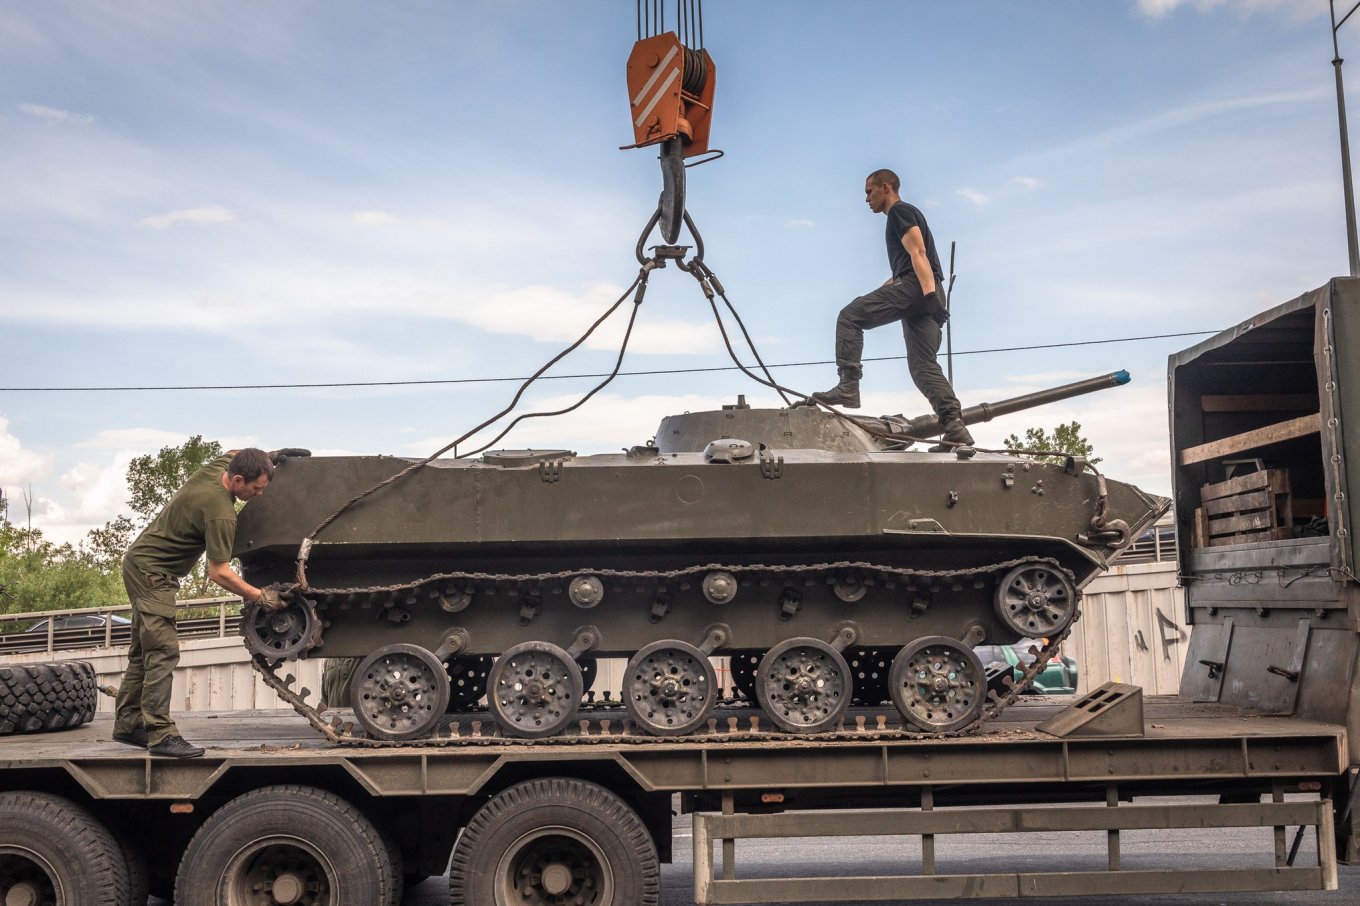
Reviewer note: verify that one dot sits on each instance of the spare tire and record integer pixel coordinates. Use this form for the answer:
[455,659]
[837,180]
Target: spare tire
[36,698]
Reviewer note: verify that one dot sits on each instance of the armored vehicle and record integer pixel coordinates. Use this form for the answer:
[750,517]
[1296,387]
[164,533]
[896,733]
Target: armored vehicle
[827,560]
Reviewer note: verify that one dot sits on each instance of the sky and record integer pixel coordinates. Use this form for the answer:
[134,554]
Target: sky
[257,193]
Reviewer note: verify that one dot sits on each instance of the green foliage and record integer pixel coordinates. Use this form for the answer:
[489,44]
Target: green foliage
[1065,439]
[154,479]
[36,574]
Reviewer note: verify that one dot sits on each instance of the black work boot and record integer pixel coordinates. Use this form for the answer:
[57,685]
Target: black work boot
[846,393]
[955,435]
[175,747]
[134,737]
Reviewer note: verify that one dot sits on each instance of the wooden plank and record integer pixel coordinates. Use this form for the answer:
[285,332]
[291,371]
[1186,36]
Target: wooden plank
[1241,503]
[1251,522]
[1275,534]
[1258,402]
[1275,479]
[1199,536]
[1252,440]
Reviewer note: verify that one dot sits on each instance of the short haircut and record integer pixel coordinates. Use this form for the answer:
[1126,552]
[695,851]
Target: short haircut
[250,464]
[885,177]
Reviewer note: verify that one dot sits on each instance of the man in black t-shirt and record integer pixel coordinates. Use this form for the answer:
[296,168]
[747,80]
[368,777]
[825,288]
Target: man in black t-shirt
[913,296]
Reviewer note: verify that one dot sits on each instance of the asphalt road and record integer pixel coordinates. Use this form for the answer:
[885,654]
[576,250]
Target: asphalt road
[1235,848]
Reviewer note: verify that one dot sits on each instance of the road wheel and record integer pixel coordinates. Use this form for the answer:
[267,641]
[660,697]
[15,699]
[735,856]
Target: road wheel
[555,842]
[285,845]
[35,698]
[53,851]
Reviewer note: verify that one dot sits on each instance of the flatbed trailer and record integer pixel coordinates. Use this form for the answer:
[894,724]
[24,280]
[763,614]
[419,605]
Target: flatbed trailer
[1010,778]
[1265,732]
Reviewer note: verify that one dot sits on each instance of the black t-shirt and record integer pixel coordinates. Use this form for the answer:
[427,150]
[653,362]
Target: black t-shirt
[902,217]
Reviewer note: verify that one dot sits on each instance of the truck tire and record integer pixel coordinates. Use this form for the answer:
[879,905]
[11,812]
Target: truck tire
[139,871]
[35,698]
[552,841]
[308,839]
[53,851]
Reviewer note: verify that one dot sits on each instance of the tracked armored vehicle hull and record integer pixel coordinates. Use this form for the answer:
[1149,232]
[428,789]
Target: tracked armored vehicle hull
[828,568]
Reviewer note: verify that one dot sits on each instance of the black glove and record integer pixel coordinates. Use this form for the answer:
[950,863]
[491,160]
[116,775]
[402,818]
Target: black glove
[932,306]
[278,456]
[276,596]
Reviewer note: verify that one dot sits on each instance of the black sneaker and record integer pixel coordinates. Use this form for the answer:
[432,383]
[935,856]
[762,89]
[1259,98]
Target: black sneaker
[175,747]
[136,738]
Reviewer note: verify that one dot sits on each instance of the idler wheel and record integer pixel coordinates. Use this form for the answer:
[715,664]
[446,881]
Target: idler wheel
[938,684]
[669,688]
[1035,600]
[803,685]
[535,690]
[399,692]
[281,634]
[467,680]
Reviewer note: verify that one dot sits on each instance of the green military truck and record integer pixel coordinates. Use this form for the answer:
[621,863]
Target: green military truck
[1264,734]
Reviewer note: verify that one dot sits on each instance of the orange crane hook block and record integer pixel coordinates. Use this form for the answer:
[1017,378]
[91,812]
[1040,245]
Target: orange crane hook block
[670,87]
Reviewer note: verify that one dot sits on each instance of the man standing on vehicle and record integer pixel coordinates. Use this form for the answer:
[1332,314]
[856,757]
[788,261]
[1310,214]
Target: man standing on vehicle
[912,295]
[200,518]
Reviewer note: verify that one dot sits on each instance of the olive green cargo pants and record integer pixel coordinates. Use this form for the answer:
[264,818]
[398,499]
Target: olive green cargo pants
[900,300]
[144,694]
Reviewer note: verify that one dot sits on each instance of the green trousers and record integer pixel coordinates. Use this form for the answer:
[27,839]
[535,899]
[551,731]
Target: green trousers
[144,694]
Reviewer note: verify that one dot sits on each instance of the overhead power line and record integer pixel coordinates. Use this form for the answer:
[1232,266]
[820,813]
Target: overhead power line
[563,377]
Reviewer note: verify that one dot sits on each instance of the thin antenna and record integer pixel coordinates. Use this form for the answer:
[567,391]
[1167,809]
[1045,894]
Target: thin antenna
[949,323]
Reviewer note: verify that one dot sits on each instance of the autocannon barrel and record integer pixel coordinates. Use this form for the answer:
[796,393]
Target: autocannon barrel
[929,425]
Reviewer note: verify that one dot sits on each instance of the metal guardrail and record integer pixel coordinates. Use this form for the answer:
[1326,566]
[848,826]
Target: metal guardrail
[16,636]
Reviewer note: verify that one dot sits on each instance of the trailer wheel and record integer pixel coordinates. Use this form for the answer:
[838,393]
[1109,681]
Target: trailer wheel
[285,844]
[35,698]
[139,871]
[553,842]
[53,851]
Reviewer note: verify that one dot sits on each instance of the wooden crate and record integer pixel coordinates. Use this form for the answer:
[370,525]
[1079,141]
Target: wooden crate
[1254,507]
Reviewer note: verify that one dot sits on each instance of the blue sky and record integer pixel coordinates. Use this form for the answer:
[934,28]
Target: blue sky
[262,193]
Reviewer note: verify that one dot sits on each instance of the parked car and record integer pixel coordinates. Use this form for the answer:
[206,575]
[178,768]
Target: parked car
[74,629]
[1059,677]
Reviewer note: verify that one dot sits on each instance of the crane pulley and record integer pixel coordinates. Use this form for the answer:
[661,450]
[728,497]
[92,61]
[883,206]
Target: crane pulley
[670,89]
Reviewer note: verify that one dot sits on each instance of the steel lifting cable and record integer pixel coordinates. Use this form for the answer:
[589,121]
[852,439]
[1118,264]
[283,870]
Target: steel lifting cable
[639,285]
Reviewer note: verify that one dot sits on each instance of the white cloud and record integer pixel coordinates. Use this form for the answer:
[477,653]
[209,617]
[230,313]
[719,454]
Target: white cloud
[973,195]
[54,115]
[144,440]
[1028,183]
[1156,9]
[552,314]
[800,222]
[373,218]
[206,216]
[17,465]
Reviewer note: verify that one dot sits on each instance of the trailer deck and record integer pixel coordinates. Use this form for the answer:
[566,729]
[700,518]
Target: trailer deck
[1183,741]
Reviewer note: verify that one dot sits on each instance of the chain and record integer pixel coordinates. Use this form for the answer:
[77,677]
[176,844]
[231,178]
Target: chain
[340,732]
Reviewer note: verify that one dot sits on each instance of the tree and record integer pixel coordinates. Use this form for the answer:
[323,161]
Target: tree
[154,479]
[36,574]
[1066,439]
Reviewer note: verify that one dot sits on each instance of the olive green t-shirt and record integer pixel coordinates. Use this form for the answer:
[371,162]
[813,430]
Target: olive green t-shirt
[200,517]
